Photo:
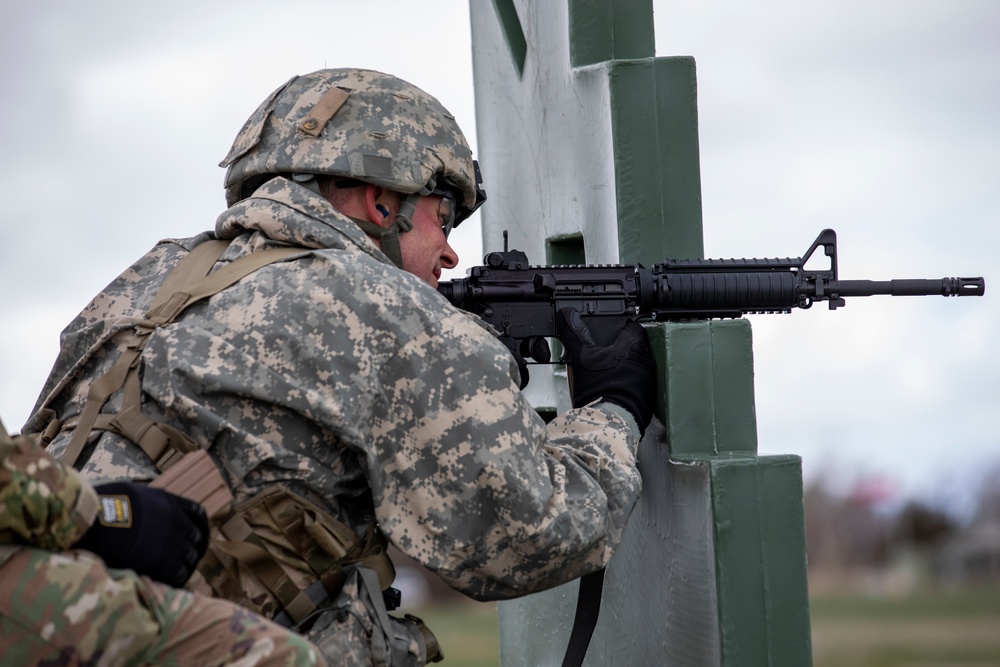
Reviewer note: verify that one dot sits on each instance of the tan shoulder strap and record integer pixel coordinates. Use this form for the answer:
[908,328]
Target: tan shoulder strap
[197,264]
[185,285]
[173,305]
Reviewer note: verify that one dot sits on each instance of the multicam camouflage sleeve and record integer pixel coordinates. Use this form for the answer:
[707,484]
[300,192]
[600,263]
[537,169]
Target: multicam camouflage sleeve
[42,503]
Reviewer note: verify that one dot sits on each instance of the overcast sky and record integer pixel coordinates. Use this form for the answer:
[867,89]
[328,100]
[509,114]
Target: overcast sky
[881,120]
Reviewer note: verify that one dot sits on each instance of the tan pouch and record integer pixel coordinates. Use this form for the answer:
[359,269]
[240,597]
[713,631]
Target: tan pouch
[196,477]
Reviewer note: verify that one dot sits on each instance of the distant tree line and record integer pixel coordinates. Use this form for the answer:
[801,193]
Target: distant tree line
[864,527]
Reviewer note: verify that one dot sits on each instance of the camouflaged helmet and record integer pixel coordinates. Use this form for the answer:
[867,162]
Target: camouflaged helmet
[358,124]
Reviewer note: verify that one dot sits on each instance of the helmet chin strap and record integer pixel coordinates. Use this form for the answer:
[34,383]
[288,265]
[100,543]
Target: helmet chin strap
[388,237]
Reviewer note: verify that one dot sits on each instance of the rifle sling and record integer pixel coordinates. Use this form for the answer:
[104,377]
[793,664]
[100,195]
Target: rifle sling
[588,607]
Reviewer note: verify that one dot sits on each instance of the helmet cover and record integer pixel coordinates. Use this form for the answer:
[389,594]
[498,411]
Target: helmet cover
[356,124]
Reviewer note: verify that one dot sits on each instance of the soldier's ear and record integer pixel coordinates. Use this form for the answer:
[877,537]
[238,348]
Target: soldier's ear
[379,205]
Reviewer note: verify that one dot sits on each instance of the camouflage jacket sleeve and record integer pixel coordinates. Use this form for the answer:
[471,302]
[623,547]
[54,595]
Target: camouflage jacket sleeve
[470,481]
[42,503]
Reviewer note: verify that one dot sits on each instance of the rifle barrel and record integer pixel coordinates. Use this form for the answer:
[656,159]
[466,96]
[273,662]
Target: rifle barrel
[911,287]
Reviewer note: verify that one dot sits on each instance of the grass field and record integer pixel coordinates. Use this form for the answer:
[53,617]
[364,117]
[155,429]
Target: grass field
[925,629]
[467,632]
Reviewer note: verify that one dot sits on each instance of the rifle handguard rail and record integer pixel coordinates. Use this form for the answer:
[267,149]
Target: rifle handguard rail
[520,300]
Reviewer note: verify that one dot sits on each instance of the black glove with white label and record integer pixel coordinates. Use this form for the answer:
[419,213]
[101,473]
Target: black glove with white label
[619,368]
[151,531]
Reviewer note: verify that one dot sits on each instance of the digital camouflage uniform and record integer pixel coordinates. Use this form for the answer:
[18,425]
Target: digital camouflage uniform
[65,608]
[357,386]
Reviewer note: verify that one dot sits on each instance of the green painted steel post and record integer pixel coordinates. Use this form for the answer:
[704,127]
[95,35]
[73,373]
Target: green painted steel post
[589,147]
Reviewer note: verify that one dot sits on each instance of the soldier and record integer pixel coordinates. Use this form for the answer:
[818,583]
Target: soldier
[68,608]
[343,399]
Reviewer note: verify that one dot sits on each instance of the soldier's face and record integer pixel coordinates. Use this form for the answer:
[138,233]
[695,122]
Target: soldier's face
[424,248]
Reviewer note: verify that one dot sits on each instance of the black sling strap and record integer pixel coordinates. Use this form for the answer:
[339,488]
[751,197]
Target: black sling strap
[588,607]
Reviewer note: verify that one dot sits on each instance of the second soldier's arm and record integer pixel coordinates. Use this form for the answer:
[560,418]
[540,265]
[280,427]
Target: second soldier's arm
[42,503]
[47,505]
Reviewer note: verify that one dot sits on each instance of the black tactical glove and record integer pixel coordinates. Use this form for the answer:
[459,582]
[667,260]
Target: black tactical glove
[619,369]
[148,530]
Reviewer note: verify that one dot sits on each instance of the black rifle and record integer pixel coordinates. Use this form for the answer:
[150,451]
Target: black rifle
[521,301]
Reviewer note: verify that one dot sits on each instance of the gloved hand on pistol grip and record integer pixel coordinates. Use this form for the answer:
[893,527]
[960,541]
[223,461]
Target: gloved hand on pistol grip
[622,372]
[148,530]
